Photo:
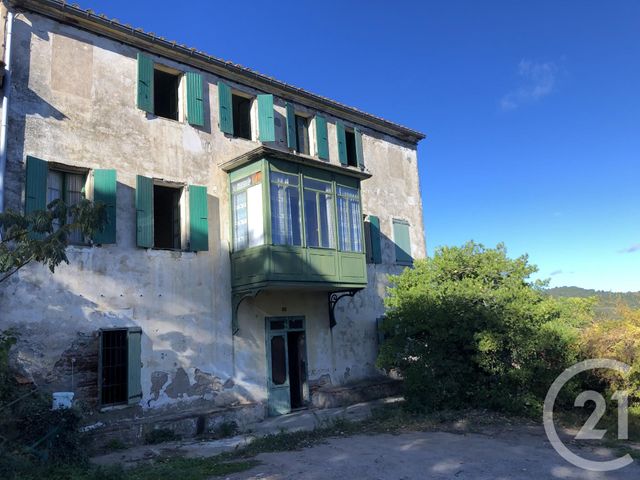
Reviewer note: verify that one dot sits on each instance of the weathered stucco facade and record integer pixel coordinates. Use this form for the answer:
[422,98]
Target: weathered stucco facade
[73,102]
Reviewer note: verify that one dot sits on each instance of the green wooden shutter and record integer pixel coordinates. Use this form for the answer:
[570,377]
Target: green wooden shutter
[195,99]
[292,139]
[374,229]
[342,143]
[134,365]
[145,83]
[36,185]
[322,137]
[104,190]
[144,211]
[198,218]
[225,108]
[402,241]
[359,152]
[266,127]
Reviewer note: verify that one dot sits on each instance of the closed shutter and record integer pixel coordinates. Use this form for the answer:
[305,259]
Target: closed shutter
[36,185]
[104,190]
[322,138]
[198,218]
[402,241]
[342,143]
[145,83]
[134,365]
[225,108]
[195,99]
[144,211]
[359,151]
[266,128]
[292,138]
[374,229]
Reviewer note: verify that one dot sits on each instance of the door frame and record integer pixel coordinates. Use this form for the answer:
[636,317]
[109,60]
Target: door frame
[287,326]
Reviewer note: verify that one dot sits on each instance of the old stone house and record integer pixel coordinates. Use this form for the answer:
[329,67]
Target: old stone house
[252,224]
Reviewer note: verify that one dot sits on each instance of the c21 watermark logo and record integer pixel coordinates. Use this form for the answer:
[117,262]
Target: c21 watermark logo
[588,430]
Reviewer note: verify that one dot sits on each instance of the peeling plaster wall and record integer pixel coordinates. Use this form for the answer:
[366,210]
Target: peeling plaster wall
[74,102]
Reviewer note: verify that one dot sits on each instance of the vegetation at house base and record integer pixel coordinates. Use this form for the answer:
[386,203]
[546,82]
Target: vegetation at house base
[42,236]
[468,328]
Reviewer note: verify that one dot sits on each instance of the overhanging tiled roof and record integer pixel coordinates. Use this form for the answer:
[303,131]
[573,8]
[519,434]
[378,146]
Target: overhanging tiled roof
[112,28]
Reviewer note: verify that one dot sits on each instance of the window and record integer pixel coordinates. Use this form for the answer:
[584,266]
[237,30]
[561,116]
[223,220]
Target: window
[285,209]
[165,93]
[302,134]
[350,140]
[68,187]
[402,241]
[166,217]
[119,366]
[246,202]
[318,213]
[241,107]
[349,219]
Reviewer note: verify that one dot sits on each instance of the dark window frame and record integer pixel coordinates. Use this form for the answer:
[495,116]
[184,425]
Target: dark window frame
[242,111]
[162,73]
[176,219]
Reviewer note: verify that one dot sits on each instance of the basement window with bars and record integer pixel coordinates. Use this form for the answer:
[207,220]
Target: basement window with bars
[119,366]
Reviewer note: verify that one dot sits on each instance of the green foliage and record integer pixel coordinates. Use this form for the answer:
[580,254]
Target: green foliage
[606,302]
[42,236]
[467,328]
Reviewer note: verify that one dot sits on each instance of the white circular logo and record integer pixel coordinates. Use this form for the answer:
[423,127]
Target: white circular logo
[588,431]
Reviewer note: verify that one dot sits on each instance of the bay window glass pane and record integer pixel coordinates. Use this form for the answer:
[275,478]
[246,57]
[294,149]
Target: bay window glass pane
[248,217]
[318,213]
[349,220]
[285,209]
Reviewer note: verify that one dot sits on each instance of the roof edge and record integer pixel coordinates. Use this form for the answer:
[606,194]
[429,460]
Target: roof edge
[112,28]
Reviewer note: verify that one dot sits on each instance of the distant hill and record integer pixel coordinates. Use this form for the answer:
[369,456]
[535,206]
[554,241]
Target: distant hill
[607,301]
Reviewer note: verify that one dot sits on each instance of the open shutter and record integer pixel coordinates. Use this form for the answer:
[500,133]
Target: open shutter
[374,229]
[292,139]
[402,241]
[144,211]
[225,108]
[359,154]
[322,138]
[145,83]
[195,99]
[104,190]
[36,185]
[266,127]
[342,143]
[134,365]
[198,218]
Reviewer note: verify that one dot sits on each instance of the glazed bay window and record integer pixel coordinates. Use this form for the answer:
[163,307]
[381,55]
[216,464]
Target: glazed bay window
[285,209]
[319,213]
[246,204]
[309,223]
[349,219]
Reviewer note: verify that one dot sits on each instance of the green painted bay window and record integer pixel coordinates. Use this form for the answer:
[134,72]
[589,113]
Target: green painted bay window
[285,209]
[349,219]
[247,210]
[319,213]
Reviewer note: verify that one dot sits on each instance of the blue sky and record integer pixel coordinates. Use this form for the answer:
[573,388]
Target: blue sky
[531,108]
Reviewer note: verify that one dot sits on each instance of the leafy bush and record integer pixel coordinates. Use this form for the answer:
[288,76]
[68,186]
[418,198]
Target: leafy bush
[160,435]
[467,328]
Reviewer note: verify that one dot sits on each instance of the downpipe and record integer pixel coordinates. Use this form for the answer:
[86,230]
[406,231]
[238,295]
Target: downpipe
[6,88]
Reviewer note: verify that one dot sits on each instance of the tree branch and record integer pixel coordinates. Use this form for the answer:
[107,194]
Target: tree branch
[2,279]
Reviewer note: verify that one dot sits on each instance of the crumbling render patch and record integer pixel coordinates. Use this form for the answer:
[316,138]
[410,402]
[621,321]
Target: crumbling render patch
[181,386]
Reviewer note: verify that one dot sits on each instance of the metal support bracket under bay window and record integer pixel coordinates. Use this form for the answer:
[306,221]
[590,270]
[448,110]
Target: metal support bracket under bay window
[237,300]
[334,297]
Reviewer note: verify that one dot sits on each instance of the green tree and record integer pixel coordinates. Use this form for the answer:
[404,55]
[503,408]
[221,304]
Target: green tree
[42,236]
[468,327]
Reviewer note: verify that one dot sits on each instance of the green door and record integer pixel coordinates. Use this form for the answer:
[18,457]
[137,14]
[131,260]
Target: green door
[287,364]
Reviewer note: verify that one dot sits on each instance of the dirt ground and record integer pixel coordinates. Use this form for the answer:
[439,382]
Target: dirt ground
[520,453]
